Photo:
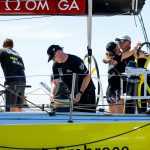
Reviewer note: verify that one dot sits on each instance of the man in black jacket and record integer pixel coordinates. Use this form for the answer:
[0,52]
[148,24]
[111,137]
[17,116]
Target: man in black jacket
[64,66]
[15,80]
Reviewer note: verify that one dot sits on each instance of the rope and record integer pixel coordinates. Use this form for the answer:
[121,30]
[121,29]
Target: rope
[25,99]
[97,72]
[143,29]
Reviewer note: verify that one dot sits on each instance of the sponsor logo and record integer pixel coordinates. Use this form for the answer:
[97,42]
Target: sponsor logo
[85,147]
[60,7]
[81,66]
[69,71]
[60,71]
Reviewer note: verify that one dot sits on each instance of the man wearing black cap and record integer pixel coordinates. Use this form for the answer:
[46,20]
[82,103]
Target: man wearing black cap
[63,68]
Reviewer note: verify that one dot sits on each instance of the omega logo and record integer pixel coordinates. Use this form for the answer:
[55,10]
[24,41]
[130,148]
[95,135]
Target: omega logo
[63,5]
[32,5]
[17,7]
[29,5]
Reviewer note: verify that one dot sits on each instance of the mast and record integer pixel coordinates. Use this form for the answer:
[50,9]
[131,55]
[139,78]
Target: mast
[89,33]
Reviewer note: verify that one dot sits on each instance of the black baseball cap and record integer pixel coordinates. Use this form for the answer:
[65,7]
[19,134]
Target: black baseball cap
[51,51]
[111,47]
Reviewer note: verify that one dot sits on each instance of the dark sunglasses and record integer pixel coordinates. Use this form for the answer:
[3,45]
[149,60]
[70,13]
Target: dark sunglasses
[121,41]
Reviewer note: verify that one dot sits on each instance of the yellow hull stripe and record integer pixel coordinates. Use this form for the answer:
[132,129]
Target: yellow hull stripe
[103,136]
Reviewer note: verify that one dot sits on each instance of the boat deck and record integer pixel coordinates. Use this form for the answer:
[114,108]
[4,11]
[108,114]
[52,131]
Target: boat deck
[7,118]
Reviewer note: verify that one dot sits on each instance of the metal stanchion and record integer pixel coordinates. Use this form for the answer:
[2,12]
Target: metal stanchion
[72,97]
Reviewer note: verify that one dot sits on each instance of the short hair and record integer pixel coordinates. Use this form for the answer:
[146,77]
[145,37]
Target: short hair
[8,43]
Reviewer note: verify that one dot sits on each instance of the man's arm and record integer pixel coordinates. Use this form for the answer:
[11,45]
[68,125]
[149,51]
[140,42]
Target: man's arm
[54,89]
[128,54]
[106,59]
[131,52]
[109,60]
[85,82]
[83,87]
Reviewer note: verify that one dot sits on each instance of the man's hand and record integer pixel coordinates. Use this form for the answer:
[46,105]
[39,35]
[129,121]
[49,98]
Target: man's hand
[78,97]
[113,62]
[52,97]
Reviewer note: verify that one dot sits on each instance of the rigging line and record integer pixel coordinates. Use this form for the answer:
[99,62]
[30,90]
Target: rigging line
[145,37]
[38,75]
[40,94]
[28,18]
[142,23]
[25,99]
[144,30]
[98,75]
[80,106]
[33,91]
[47,75]
[86,105]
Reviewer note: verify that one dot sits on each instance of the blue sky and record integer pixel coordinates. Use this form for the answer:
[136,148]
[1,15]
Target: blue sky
[33,36]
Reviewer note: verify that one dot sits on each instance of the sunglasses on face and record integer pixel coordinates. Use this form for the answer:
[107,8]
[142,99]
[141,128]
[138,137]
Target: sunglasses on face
[121,41]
